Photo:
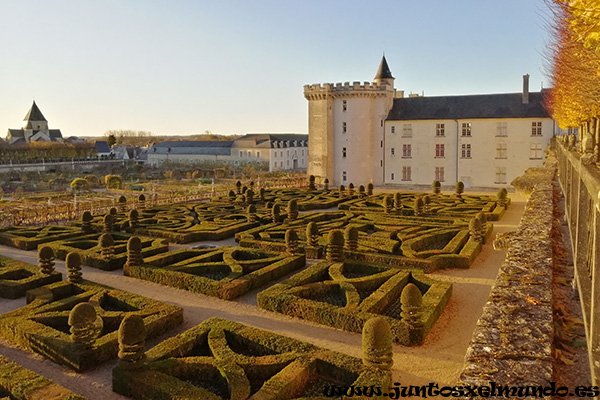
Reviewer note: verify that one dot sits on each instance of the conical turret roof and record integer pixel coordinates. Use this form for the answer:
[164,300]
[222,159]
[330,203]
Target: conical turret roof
[384,71]
[34,114]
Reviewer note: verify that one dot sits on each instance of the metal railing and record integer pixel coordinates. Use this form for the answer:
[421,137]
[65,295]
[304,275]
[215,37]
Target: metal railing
[580,184]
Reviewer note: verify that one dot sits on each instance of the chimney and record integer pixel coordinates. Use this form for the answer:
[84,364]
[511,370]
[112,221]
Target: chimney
[526,89]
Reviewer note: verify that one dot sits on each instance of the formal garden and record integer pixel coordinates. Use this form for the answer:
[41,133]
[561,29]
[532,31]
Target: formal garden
[344,258]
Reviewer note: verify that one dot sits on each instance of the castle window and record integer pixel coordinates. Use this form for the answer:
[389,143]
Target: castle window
[500,175]
[406,151]
[343,152]
[241,153]
[465,151]
[344,127]
[393,151]
[535,151]
[344,176]
[392,176]
[406,173]
[466,129]
[439,151]
[407,130]
[501,129]
[393,129]
[439,174]
[536,128]
[258,154]
[500,150]
[381,144]
[344,105]
[440,130]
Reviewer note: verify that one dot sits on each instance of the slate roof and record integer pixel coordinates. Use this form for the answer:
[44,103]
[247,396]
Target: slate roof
[266,139]
[211,147]
[34,114]
[505,105]
[102,146]
[55,133]
[384,71]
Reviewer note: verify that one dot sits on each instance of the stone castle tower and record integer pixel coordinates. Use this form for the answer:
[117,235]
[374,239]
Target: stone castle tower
[346,129]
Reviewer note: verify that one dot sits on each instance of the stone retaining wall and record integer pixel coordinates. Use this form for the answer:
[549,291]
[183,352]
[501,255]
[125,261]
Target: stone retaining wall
[512,342]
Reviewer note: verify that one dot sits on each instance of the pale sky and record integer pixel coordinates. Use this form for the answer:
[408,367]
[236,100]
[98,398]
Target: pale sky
[231,67]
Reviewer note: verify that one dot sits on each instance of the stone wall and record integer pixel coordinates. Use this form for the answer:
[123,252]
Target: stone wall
[512,343]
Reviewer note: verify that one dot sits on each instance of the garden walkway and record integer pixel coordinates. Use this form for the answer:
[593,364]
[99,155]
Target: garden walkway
[439,359]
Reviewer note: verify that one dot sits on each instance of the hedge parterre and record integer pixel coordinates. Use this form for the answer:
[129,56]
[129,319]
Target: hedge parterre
[221,359]
[44,325]
[346,294]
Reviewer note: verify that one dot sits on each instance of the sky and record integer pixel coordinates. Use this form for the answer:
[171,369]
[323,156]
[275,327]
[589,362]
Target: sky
[239,66]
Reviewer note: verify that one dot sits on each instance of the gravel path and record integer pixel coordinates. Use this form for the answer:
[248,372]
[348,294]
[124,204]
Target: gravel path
[439,359]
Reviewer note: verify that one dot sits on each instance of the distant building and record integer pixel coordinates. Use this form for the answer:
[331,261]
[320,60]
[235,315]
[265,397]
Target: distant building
[370,133]
[278,151]
[102,148]
[35,129]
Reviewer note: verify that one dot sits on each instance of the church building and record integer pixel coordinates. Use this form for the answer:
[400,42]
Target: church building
[34,129]
[370,132]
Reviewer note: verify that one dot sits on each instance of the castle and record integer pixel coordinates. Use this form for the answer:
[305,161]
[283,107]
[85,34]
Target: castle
[371,133]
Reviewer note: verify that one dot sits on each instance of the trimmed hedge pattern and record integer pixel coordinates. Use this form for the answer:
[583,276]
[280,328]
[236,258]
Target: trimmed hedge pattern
[91,252]
[17,277]
[225,272]
[42,325]
[345,295]
[28,238]
[19,383]
[221,359]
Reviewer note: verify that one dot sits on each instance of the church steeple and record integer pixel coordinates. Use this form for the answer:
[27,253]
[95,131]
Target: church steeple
[384,75]
[35,119]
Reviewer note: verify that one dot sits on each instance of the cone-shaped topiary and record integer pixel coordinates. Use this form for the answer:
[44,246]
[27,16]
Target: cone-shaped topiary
[311,183]
[134,218]
[475,229]
[341,191]
[370,189]
[501,197]
[112,211]
[46,260]
[418,207]
[482,217]
[261,194]
[377,344]
[361,192]
[142,200]
[351,237]
[252,185]
[292,209]
[83,323]
[86,222]
[132,338]
[134,252]
[107,244]
[251,213]
[275,211]
[397,201]
[437,187]
[387,204]
[411,301]
[426,203]
[335,245]
[269,210]
[326,184]
[291,241]
[312,234]
[244,188]
[122,203]
[238,186]
[459,188]
[73,263]
[249,196]
[232,196]
[108,223]
[351,189]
